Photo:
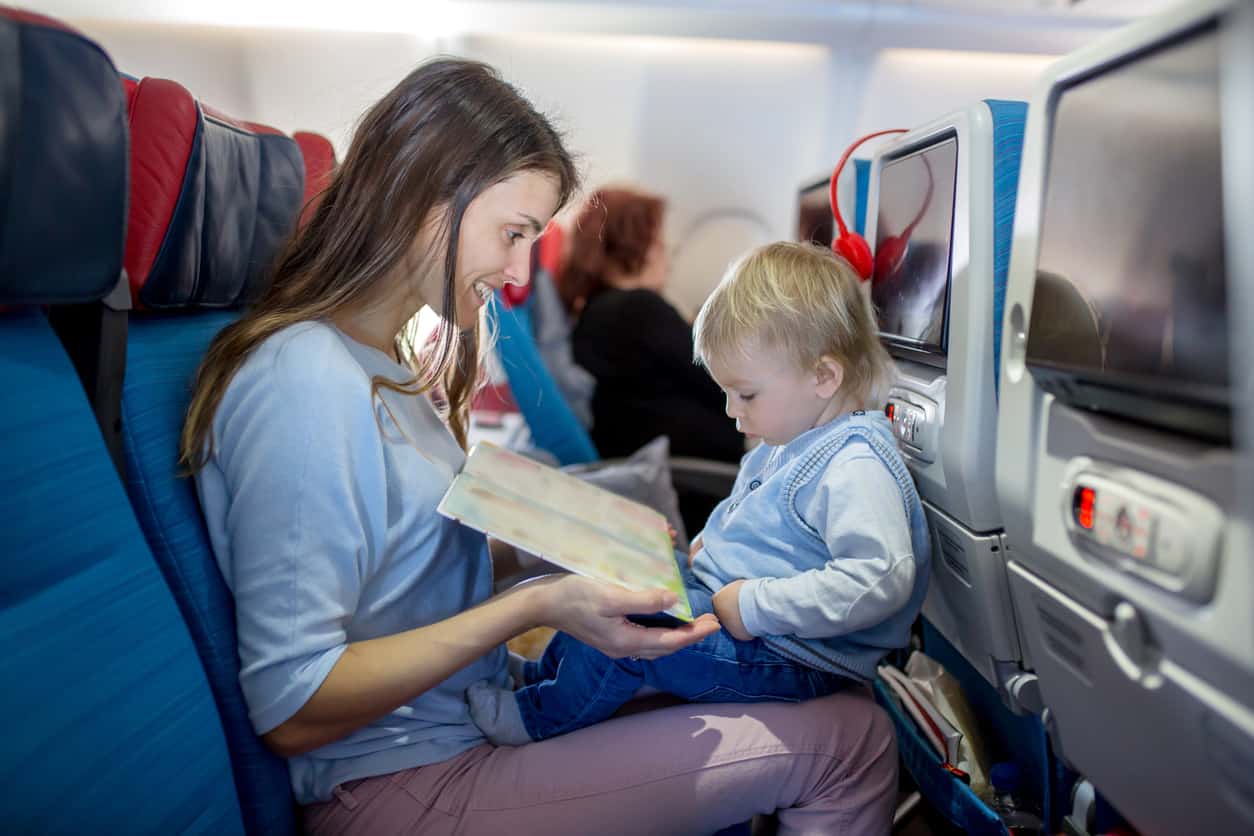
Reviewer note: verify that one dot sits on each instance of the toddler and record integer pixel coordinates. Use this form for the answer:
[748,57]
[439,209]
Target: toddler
[818,561]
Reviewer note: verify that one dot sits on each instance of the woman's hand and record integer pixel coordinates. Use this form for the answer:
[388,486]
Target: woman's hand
[595,613]
[693,549]
[374,676]
[727,608]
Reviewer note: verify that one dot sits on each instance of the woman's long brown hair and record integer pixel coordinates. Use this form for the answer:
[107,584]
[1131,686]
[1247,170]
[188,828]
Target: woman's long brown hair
[449,130]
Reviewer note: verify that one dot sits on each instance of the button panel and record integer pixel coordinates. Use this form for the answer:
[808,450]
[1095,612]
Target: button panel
[1116,520]
[915,423]
[1143,525]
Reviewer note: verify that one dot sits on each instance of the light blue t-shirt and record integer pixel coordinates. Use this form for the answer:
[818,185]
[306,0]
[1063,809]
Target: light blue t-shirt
[320,502]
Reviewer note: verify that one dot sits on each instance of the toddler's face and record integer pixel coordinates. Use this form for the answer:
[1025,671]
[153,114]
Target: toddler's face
[768,395]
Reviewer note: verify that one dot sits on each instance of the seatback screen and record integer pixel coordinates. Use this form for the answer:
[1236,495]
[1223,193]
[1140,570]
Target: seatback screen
[1131,284]
[913,230]
[814,215]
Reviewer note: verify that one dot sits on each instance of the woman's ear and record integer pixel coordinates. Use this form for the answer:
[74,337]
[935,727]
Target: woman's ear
[828,375]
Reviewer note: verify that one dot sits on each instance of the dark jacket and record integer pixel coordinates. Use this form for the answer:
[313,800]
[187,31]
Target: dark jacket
[639,349]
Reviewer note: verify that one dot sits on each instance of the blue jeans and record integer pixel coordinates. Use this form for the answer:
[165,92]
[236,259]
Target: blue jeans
[574,685]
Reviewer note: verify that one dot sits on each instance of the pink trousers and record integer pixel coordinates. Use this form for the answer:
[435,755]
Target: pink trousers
[829,766]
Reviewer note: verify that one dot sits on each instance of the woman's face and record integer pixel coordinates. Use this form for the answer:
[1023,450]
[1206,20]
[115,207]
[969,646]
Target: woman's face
[494,244]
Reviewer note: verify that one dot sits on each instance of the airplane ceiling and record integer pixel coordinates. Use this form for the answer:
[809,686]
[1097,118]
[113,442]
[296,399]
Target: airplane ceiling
[1044,26]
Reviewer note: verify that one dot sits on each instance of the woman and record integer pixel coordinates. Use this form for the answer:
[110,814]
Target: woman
[362,614]
[633,342]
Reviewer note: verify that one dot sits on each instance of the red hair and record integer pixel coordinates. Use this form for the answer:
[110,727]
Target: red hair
[614,231]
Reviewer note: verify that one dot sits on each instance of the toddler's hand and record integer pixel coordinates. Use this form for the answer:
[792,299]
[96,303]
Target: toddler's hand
[727,608]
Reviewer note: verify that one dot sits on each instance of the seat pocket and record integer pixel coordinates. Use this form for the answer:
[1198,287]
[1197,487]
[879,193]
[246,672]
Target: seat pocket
[942,789]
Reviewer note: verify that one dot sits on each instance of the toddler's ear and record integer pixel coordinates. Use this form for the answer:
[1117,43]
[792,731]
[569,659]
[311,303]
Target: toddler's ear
[828,375]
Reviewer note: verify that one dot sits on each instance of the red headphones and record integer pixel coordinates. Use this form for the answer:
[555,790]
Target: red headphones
[850,245]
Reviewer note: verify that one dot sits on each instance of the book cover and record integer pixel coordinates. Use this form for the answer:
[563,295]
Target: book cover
[568,522]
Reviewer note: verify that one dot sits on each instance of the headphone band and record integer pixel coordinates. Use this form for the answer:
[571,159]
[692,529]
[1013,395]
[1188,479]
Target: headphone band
[844,158]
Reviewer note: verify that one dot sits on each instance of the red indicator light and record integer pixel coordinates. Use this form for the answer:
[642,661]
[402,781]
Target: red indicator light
[1083,504]
[889,410]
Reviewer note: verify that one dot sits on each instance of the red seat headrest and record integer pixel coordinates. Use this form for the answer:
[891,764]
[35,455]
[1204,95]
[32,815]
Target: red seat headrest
[552,249]
[212,199]
[320,162]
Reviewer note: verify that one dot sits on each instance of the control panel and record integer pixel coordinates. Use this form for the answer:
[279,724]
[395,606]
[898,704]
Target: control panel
[1145,526]
[916,422]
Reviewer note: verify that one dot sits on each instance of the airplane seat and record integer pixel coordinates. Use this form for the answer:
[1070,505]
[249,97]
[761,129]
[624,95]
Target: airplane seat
[551,252]
[553,424]
[551,324]
[536,374]
[1129,533]
[861,188]
[110,723]
[211,200]
[318,154]
[944,194]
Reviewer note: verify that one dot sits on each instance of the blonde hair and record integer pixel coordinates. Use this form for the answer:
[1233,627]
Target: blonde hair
[803,300]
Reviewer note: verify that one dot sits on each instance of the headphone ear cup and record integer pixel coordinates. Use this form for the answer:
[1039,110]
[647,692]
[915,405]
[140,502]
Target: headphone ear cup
[853,248]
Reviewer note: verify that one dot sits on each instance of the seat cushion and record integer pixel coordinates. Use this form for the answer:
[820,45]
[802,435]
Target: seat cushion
[111,726]
[163,352]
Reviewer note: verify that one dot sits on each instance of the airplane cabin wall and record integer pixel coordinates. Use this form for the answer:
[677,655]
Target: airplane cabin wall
[726,130]
[905,88]
[311,80]
[207,60]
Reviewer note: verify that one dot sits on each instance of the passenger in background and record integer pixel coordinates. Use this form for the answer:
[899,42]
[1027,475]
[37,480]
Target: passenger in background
[633,341]
[817,563]
[363,614]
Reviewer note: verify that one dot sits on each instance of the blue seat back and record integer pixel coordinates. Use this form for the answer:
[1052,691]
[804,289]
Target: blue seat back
[228,195]
[1009,119]
[862,184]
[109,725]
[553,424]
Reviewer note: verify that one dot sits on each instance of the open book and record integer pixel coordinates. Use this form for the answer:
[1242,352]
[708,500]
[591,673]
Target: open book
[568,522]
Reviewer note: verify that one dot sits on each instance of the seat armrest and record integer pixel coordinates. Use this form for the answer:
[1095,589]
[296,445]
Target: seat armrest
[704,476]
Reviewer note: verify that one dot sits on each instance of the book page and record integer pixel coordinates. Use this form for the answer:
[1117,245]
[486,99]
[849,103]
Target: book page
[570,523]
